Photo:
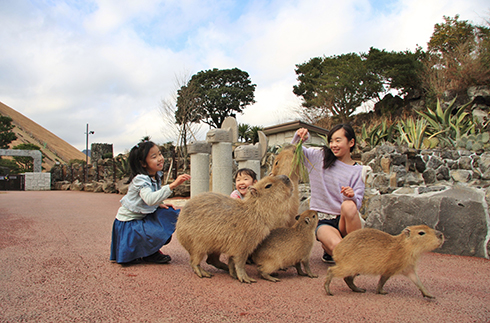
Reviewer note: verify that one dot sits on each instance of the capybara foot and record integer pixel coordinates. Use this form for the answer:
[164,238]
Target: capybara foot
[201,272]
[213,260]
[349,280]
[381,292]
[428,295]
[269,277]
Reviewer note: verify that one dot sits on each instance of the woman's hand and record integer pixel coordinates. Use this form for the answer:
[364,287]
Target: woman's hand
[347,191]
[180,179]
[303,134]
[166,206]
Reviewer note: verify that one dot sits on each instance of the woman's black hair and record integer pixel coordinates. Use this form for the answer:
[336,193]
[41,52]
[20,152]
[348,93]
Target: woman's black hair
[137,157]
[246,171]
[328,156]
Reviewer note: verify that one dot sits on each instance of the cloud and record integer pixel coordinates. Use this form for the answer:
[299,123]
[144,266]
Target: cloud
[110,63]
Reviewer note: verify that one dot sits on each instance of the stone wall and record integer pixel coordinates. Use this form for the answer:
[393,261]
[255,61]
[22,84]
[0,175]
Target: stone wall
[448,190]
[37,181]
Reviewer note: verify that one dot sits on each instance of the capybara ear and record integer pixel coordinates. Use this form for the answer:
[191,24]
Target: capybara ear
[297,217]
[252,191]
[407,232]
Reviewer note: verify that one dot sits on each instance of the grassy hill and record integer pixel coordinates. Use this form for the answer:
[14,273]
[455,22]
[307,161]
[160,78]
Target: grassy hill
[53,148]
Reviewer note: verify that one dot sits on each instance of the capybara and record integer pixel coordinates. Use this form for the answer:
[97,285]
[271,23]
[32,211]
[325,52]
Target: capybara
[283,165]
[373,252]
[212,224]
[285,247]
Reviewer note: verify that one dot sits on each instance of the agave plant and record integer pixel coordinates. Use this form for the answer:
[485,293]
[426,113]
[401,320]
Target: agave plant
[412,132]
[444,125]
[379,133]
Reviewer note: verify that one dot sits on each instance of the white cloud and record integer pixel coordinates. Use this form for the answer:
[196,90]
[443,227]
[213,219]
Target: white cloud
[110,63]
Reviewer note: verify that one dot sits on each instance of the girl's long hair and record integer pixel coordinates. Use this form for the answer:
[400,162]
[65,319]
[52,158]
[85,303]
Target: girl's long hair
[137,157]
[328,156]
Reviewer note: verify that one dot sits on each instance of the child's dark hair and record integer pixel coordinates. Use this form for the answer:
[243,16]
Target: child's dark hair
[246,171]
[328,157]
[137,157]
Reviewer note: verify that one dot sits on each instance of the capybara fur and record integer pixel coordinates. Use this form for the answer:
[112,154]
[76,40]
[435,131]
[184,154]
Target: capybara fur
[212,224]
[373,252]
[283,165]
[290,246]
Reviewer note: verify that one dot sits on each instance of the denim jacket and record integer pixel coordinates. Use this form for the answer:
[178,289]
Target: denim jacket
[143,197]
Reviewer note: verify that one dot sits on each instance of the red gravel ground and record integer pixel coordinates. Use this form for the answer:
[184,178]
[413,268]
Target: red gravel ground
[54,265]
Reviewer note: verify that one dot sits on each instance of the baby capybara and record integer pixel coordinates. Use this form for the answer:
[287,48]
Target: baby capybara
[212,224]
[373,252]
[290,246]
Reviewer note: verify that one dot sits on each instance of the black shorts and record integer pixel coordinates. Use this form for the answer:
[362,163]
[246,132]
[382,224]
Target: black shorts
[331,222]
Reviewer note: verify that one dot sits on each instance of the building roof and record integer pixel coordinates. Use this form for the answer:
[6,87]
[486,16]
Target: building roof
[293,125]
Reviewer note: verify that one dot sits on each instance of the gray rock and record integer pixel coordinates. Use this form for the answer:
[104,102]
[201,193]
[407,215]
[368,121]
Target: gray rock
[459,213]
[434,162]
[465,162]
[461,175]
[429,176]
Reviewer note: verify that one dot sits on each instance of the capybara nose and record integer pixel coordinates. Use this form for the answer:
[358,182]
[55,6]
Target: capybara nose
[284,178]
[439,235]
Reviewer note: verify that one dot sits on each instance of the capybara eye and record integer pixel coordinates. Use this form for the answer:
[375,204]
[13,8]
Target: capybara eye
[421,233]
[268,186]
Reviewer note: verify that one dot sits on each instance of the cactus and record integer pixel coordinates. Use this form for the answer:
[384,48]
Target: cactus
[474,142]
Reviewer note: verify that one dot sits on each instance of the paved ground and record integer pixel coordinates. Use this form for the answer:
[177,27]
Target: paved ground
[54,267]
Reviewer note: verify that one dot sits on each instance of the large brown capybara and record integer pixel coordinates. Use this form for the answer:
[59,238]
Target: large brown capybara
[285,247]
[373,252]
[283,165]
[212,224]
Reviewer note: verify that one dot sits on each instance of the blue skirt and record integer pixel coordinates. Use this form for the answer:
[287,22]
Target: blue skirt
[140,238]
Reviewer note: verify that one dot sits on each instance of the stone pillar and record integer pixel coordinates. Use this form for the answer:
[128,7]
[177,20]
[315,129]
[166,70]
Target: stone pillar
[248,156]
[199,152]
[222,169]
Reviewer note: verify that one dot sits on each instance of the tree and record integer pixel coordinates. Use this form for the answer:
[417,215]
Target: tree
[337,85]
[25,164]
[6,134]
[458,57]
[211,96]
[179,121]
[397,70]
[243,132]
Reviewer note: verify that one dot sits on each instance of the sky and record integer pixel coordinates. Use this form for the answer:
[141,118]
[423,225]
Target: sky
[114,64]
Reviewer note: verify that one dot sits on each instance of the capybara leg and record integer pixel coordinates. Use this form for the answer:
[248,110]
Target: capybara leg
[195,264]
[299,269]
[412,274]
[328,280]
[349,280]
[240,270]
[382,280]
[213,259]
[306,264]
[231,267]
[267,275]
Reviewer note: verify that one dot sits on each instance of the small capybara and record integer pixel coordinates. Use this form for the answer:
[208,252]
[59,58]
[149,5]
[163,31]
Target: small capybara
[212,224]
[285,247]
[373,252]
[283,165]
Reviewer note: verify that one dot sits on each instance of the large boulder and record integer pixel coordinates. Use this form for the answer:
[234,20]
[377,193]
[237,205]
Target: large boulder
[460,213]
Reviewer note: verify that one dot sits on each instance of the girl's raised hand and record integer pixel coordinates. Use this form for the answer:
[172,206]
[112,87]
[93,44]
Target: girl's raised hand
[347,191]
[303,133]
[179,180]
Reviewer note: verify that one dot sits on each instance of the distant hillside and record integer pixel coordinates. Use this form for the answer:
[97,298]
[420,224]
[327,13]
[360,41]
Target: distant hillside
[53,148]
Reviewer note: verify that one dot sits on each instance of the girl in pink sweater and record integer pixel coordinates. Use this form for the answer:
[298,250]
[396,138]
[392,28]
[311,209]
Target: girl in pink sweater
[337,186]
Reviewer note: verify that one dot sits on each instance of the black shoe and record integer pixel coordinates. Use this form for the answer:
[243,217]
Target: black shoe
[328,259]
[132,262]
[158,258]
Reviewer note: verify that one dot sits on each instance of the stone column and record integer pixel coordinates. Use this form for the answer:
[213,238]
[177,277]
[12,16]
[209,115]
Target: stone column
[248,156]
[199,152]
[221,151]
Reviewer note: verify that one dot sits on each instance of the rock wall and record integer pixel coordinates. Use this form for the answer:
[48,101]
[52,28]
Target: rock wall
[447,190]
